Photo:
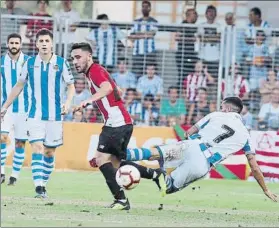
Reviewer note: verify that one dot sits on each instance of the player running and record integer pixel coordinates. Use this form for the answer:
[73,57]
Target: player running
[11,66]
[118,126]
[47,75]
[214,138]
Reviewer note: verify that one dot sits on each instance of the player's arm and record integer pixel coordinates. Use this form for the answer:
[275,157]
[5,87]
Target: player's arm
[256,171]
[105,89]
[259,176]
[199,125]
[69,80]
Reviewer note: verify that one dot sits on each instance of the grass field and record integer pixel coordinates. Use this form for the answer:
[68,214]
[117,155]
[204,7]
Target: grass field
[77,199]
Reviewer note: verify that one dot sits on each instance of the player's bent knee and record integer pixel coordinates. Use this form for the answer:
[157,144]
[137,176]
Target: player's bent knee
[37,147]
[102,158]
[49,152]
[20,144]
[4,138]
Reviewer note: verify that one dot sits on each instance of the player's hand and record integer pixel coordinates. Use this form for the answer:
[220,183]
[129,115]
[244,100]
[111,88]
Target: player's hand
[270,195]
[3,112]
[83,104]
[65,109]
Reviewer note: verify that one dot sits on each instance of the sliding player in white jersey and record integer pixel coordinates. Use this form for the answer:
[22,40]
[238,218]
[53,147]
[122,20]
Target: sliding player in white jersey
[213,138]
[47,74]
[11,66]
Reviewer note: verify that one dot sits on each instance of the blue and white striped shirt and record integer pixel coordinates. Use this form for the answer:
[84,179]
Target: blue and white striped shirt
[10,72]
[106,44]
[152,86]
[47,82]
[251,31]
[126,80]
[144,46]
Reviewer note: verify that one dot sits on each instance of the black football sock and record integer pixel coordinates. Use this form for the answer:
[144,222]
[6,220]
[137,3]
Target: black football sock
[146,173]
[109,173]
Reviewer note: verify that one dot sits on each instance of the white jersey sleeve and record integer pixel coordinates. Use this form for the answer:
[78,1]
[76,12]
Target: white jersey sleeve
[23,77]
[204,121]
[67,73]
[248,148]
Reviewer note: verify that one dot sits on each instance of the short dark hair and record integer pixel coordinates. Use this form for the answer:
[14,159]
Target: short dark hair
[44,32]
[146,2]
[13,35]
[256,11]
[149,96]
[211,7]
[173,87]
[83,46]
[235,101]
[102,17]
[151,63]
[131,90]
[122,59]
[46,1]
[203,89]
[260,32]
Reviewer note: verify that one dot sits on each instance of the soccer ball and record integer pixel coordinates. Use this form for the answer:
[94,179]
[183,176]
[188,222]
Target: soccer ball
[128,177]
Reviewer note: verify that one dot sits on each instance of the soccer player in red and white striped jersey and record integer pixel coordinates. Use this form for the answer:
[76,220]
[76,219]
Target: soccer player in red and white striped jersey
[118,126]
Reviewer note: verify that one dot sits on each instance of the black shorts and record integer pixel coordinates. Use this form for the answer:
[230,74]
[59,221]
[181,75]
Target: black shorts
[114,140]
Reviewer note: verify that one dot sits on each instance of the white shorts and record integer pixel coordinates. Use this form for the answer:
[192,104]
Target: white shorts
[46,131]
[188,161]
[17,122]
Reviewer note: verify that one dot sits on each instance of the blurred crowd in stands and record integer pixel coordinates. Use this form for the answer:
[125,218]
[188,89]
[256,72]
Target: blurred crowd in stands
[253,71]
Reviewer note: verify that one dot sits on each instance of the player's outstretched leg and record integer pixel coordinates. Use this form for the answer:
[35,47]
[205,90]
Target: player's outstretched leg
[18,160]
[157,175]
[4,137]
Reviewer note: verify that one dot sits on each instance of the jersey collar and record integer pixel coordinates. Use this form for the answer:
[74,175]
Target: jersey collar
[52,59]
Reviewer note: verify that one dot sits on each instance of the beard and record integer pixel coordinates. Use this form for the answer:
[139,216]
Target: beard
[13,51]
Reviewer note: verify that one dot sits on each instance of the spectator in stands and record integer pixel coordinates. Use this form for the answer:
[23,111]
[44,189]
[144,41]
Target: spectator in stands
[255,17]
[200,78]
[269,113]
[123,77]
[72,16]
[81,94]
[268,85]
[150,83]
[91,115]
[257,57]
[186,55]
[149,114]
[104,41]
[210,41]
[142,34]
[240,85]
[78,116]
[173,106]
[9,25]
[247,116]
[133,106]
[34,25]
[199,108]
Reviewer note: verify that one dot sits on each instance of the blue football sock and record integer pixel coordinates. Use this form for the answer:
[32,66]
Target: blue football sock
[138,154]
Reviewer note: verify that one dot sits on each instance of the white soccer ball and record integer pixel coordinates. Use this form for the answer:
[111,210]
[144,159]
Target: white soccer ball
[128,177]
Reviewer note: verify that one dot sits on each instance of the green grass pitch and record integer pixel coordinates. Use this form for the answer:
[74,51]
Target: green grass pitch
[77,199]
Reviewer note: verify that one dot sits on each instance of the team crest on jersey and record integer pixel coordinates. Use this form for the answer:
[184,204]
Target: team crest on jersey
[56,67]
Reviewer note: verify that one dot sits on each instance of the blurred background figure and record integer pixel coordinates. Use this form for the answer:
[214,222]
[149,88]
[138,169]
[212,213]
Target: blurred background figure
[34,25]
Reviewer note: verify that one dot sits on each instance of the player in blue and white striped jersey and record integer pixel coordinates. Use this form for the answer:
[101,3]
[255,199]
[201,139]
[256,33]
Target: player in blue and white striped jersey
[47,74]
[11,66]
[105,40]
[143,34]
